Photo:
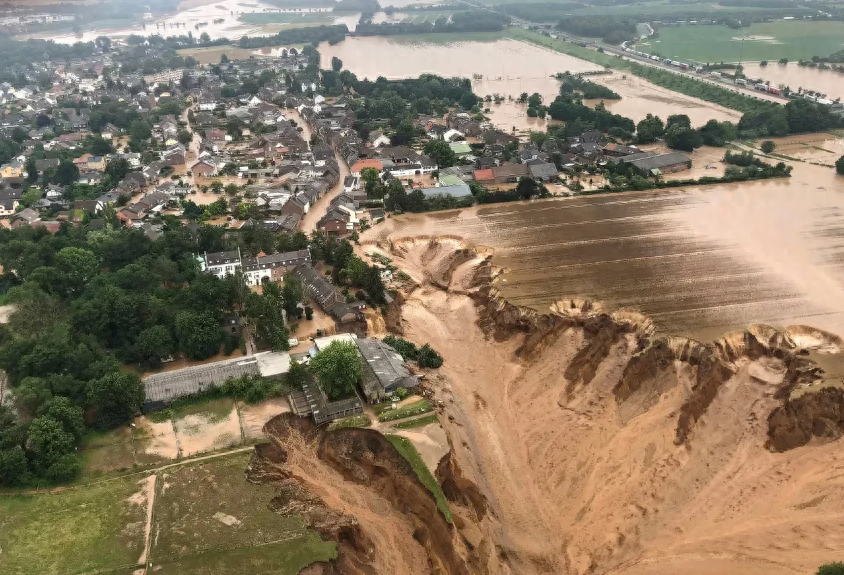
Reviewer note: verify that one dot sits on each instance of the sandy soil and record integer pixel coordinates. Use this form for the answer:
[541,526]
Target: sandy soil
[430,441]
[254,416]
[578,482]
[201,432]
[159,440]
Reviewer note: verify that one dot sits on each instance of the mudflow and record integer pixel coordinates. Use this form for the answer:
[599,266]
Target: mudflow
[581,442]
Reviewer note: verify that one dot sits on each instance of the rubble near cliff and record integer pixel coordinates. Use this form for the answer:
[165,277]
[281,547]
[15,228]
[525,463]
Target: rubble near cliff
[353,487]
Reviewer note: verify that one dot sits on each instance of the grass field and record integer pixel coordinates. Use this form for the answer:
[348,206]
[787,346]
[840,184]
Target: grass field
[419,422]
[769,41]
[354,421]
[416,408]
[207,520]
[212,54]
[210,520]
[74,531]
[405,447]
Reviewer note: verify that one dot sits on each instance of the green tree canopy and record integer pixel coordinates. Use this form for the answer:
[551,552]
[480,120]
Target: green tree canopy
[337,368]
[441,153]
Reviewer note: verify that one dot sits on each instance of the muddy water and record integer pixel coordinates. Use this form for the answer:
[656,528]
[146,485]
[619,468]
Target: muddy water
[184,21]
[699,261]
[824,81]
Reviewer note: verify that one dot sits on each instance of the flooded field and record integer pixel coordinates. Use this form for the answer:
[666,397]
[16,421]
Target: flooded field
[640,98]
[698,261]
[824,81]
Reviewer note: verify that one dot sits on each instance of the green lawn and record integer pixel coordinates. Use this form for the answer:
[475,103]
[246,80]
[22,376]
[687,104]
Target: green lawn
[82,530]
[405,447]
[415,408]
[354,421]
[420,422]
[769,41]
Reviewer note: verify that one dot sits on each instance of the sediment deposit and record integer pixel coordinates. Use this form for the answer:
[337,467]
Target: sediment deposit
[583,441]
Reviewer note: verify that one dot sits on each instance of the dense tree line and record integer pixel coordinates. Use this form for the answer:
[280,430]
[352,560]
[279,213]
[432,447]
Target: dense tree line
[611,29]
[307,35]
[578,85]
[472,21]
[348,269]
[572,111]
[89,301]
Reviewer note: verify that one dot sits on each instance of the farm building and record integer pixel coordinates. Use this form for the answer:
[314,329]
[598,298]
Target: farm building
[384,370]
[663,163]
[162,388]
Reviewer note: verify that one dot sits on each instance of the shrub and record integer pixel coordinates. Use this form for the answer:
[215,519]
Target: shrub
[768,146]
[427,357]
[836,568]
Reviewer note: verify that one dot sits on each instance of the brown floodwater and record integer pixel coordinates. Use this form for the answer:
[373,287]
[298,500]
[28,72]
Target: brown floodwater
[508,68]
[699,261]
[824,81]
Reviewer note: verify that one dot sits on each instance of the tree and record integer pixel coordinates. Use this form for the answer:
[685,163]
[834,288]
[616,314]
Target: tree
[198,334]
[184,137]
[292,293]
[13,466]
[99,146]
[336,64]
[48,442]
[715,133]
[19,134]
[78,265]
[404,133]
[681,120]
[140,130]
[65,412]
[835,568]
[224,59]
[231,189]
[535,100]
[204,38]
[264,312]
[32,393]
[441,153]
[768,146]
[117,169]
[427,357]
[31,171]
[649,130]
[839,165]
[527,187]
[337,368]
[679,137]
[297,374]
[66,173]
[152,345]
[190,210]
[116,397]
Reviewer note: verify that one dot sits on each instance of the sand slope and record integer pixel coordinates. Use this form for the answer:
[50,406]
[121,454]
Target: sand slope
[578,481]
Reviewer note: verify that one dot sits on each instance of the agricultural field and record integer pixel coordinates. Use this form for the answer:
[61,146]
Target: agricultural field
[304,18]
[209,519]
[212,54]
[769,41]
[93,529]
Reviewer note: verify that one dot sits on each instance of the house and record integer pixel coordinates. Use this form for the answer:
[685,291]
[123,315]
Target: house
[42,165]
[329,299]
[110,131]
[91,178]
[220,264]
[508,173]
[174,155]
[384,370]
[453,135]
[8,206]
[13,169]
[204,168]
[377,139]
[264,268]
[460,149]
[25,217]
[367,163]
[485,177]
[92,206]
[350,184]
[542,171]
